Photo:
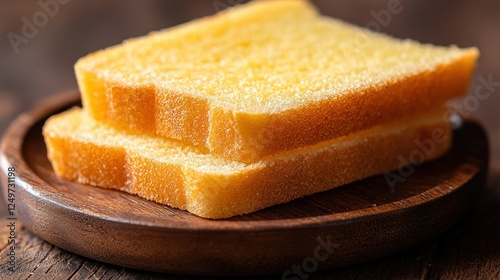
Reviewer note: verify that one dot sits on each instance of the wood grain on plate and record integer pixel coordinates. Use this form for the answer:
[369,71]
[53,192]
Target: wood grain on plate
[362,221]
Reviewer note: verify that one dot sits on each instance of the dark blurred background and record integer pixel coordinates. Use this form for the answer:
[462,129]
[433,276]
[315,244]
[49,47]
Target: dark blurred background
[43,64]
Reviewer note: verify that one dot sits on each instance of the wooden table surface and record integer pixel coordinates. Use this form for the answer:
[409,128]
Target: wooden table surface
[469,250]
[43,66]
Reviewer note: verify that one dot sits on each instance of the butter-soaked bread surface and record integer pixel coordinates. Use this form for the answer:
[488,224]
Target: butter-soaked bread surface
[266,77]
[173,173]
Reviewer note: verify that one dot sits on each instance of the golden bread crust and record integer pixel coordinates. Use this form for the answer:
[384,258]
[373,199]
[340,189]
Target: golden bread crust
[206,82]
[174,174]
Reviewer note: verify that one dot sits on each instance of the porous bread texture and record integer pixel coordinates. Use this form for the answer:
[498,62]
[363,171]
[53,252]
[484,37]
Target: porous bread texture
[267,77]
[185,177]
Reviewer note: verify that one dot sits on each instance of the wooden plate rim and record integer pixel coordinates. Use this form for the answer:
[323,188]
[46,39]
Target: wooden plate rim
[20,127]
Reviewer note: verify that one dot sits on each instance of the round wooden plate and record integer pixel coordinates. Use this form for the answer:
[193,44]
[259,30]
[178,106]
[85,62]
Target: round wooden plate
[356,223]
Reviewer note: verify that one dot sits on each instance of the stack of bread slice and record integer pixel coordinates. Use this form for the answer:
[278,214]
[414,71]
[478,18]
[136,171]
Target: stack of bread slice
[257,105]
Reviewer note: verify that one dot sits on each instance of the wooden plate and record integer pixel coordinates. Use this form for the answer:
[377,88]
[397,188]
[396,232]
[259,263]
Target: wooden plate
[360,222]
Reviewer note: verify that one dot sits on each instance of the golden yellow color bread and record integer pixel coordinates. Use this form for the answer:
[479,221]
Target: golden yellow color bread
[185,177]
[267,77]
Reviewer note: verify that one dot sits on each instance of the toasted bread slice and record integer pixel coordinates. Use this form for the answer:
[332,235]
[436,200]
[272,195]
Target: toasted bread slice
[267,77]
[184,177]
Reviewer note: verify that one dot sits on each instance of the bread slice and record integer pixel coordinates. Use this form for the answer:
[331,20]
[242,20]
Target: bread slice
[267,77]
[185,177]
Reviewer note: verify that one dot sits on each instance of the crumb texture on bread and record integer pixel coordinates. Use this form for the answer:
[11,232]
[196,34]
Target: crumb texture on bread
[267,77]
[185,177]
